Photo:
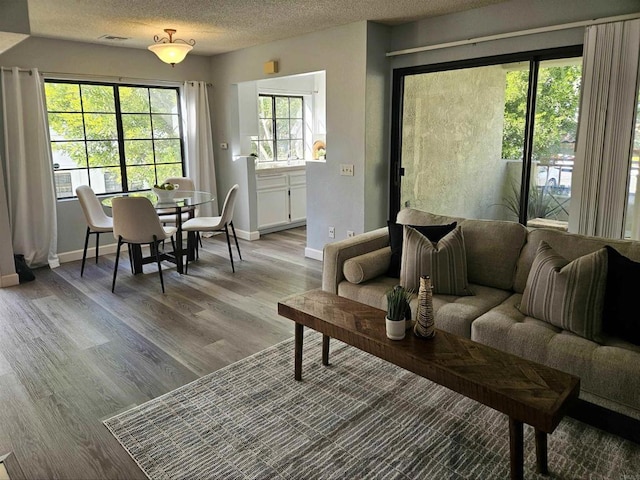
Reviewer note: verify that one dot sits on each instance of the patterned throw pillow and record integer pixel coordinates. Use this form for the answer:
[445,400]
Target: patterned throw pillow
[445,262]
[396,236]
[569,295]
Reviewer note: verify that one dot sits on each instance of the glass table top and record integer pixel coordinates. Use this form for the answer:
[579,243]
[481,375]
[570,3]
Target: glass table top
[182,198]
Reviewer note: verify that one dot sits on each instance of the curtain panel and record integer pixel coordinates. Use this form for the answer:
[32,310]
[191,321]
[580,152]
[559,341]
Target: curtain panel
[605,133]
[199,142]
[28,168]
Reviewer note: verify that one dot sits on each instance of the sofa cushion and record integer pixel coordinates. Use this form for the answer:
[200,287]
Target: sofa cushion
[607,371]
[620,314]
[367,266]
[493,248]
[445,262]
[570,246]
[451,313]
[396,235]
[569,295]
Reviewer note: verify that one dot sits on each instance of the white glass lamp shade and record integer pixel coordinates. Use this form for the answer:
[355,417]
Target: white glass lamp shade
[171,52]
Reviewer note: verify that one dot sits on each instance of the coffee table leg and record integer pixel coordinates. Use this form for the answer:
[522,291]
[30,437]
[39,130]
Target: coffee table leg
[541,453]
[299,329]
[325,349]
[516,443]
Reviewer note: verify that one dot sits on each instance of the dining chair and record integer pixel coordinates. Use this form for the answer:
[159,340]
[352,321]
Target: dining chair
[215,224]
[97,221]
[135,222]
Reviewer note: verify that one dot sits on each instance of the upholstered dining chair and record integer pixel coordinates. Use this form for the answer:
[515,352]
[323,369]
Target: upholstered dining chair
[97,221]
[215,224]
[135,222]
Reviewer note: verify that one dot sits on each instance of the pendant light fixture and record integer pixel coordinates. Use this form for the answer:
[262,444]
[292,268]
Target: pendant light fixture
[171,50]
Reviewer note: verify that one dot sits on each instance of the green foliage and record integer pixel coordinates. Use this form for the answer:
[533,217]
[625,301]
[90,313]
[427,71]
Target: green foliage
[398,303]
[84,131]
[557,98]
[540,202]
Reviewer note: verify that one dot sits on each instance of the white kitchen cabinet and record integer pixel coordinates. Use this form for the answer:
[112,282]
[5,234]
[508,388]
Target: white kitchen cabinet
[282,199]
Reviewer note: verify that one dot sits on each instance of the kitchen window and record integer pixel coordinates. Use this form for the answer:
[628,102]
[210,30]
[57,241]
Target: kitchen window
[281,128]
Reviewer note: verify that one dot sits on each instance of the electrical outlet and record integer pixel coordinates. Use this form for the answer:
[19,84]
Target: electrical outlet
[346,170]
[332,232]
[224,145]
[350,233]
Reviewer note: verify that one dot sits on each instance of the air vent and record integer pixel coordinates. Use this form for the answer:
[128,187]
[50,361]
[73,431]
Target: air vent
[113,38]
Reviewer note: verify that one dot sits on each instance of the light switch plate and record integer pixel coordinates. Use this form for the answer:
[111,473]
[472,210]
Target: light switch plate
[346,170]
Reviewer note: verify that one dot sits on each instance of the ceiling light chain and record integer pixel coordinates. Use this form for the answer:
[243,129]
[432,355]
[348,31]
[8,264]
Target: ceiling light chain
[171,50]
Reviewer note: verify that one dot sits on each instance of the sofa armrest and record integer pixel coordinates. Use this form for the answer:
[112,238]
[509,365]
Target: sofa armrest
[336,253]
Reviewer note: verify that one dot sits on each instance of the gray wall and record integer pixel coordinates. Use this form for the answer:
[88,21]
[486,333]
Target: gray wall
[332,200]
[108,63]
[511,16]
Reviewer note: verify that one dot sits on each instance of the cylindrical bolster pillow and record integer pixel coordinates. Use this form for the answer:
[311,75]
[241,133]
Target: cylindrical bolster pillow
[365,267]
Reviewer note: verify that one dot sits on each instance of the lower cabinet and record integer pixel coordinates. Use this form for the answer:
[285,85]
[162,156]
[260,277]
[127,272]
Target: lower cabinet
[282,199]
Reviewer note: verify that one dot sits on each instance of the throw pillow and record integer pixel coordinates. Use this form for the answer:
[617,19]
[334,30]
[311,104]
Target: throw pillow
[432,232]
[569,295]
[367,266]
[620,315]
[445,262]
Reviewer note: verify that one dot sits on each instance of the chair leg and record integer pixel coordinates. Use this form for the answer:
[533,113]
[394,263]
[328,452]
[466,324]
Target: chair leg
[115,267]
[84,253]
[189,247]
[235,238]
[155,247]
[97,245]
[226,230]
[130,258]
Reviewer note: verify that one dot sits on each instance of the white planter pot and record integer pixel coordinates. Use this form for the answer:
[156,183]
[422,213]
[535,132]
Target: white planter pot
[395,329]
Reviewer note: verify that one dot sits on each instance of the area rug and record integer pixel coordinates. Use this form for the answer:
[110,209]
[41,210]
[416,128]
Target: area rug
[358,418]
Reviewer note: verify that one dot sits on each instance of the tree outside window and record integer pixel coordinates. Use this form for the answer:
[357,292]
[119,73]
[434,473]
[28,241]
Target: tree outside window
[114,138]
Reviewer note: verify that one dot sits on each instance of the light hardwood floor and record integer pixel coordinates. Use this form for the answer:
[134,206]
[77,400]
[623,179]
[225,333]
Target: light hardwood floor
[73,354]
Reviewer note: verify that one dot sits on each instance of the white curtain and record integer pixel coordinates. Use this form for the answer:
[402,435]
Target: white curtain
[199,142]
[28,168]
[605,134]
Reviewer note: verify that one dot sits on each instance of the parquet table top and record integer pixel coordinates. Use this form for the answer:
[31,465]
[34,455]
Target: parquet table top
[524,390]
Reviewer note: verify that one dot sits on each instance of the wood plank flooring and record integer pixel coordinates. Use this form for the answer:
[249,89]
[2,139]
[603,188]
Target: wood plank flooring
[73,354]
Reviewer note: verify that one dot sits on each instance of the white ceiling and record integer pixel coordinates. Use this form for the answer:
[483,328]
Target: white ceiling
[220,25]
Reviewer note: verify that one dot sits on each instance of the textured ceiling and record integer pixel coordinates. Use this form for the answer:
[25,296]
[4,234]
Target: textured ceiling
[220,25]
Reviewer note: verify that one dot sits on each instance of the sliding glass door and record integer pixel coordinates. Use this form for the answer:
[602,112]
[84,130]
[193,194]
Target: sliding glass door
[469,138]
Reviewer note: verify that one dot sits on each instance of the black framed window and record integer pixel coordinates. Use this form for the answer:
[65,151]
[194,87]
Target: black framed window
[115,138]
[281,128]
[487,138]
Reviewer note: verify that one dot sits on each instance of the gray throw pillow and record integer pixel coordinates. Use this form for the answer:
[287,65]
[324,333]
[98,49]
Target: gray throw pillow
[445,262]
[569,295]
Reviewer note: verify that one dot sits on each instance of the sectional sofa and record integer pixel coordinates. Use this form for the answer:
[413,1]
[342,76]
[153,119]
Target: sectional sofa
[499,259]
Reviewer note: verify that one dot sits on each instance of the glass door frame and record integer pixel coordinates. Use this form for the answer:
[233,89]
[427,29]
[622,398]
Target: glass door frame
[397,107]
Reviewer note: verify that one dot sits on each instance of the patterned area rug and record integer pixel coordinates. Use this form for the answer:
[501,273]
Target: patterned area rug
[360,418]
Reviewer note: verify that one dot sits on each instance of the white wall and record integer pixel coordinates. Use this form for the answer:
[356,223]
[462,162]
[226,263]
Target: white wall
[99,62]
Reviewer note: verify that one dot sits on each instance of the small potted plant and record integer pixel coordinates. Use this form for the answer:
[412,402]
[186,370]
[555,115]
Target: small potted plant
[398,311]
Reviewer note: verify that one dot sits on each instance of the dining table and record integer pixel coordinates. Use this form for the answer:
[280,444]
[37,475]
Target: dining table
[184,201]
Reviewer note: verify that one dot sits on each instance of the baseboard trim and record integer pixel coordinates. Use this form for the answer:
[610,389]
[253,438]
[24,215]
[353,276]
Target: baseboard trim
[313,253]
[74,255]
[245,235]
[10,280]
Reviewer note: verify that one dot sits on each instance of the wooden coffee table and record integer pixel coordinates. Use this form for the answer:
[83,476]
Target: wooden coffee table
[525,391]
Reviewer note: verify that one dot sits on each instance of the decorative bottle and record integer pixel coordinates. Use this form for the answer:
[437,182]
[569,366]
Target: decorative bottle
[424,326]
